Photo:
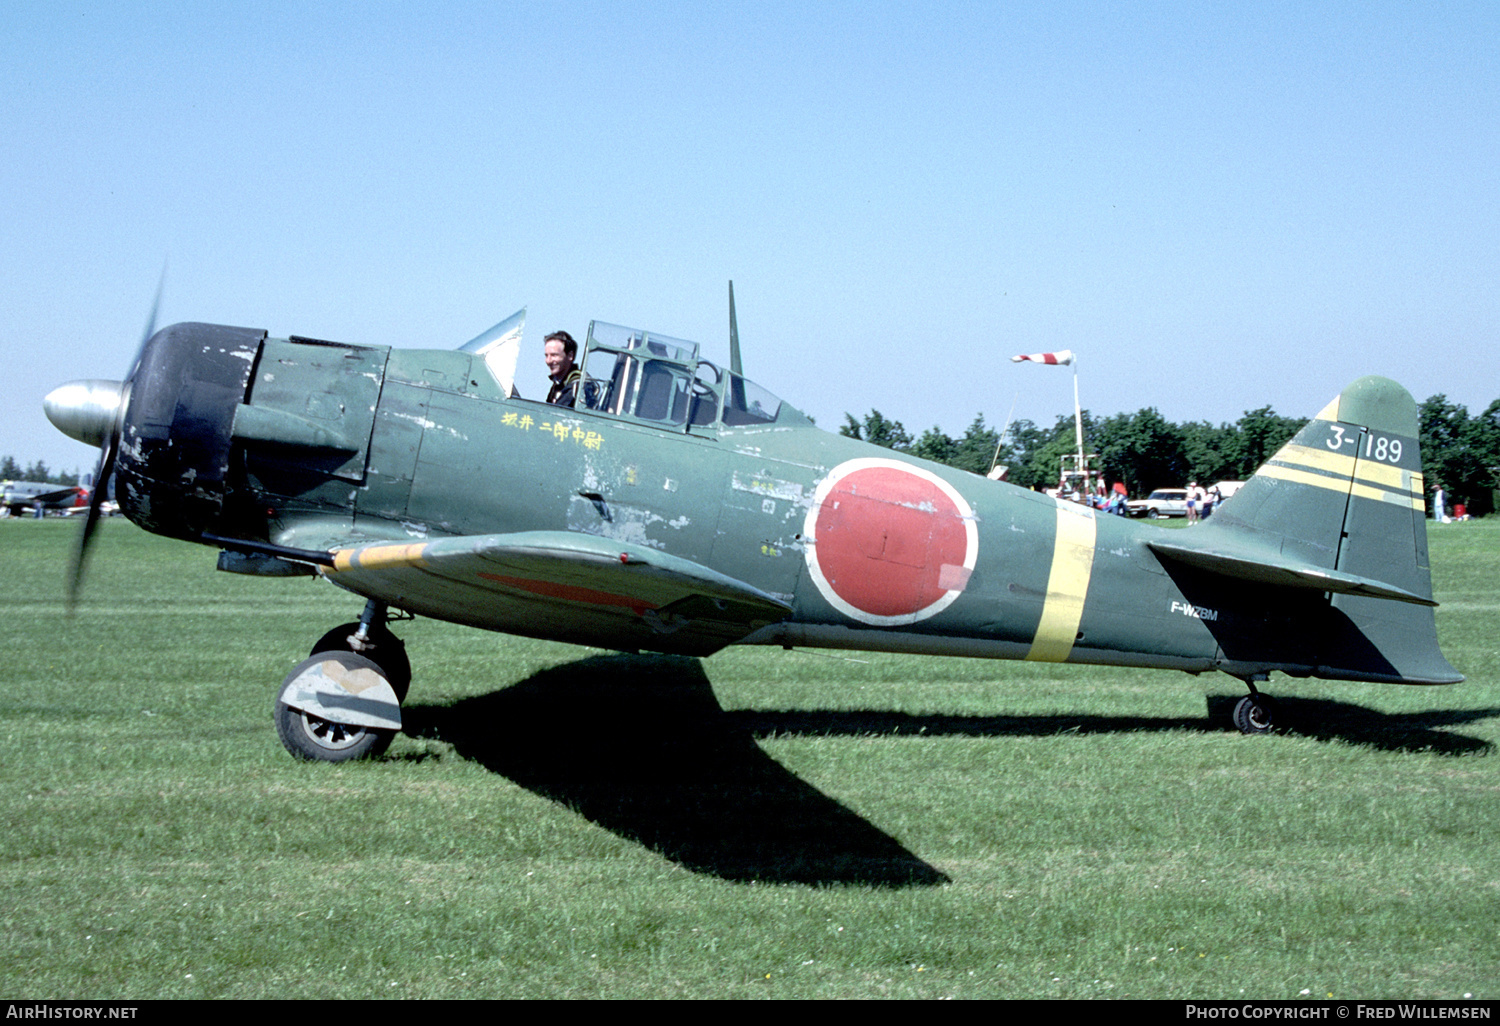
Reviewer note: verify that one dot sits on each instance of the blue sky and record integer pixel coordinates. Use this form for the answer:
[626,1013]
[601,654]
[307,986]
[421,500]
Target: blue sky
[1218,206]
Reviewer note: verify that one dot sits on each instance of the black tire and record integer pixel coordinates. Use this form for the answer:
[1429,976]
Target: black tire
[1255,714]
[1153,514]
[317,740]
[389,653]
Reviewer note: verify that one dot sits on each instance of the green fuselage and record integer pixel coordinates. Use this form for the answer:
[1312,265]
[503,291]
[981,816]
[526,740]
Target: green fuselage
[449,455]
[1317,567]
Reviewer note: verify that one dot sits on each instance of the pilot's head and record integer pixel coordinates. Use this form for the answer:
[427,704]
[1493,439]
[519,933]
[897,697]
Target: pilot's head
[560,351]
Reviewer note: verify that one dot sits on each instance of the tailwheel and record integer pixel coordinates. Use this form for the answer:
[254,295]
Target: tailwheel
[1255,714]
[337,706]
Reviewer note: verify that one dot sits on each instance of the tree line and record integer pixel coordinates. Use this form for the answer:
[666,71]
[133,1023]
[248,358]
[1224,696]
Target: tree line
[10,470]
[1146,451]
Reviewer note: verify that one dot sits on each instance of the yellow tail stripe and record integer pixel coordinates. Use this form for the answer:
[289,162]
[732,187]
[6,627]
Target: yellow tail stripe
[1067,584]
[1381,475]
[1409,499]
[1337,463]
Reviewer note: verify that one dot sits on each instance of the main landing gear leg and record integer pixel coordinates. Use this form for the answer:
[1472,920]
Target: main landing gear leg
[1255,713]
[371,638]
[344,701]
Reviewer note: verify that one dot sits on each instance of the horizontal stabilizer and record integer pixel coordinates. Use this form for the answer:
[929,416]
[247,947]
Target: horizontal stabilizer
[1284,572]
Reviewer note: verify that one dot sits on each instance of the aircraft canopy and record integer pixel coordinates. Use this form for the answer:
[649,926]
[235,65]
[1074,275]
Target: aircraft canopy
[644,376]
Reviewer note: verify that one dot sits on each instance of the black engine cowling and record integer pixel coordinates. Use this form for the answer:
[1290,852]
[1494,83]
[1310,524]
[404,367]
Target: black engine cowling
[171,474]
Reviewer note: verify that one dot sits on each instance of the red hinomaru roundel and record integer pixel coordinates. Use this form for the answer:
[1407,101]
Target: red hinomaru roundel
[889,543]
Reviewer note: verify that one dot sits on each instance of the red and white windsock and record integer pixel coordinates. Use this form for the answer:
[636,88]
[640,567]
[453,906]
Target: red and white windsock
[1064,357]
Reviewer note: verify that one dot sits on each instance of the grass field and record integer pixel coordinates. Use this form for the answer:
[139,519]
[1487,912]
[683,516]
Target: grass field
[562,822]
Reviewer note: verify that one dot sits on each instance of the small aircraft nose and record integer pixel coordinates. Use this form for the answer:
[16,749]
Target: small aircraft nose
[84,410]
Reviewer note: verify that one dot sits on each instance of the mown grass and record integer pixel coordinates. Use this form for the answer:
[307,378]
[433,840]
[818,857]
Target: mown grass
[561,822]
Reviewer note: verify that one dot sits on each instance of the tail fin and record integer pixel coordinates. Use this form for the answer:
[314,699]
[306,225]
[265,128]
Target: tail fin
[1339,509]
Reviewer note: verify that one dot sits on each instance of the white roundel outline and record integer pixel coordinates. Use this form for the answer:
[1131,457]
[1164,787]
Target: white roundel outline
[810,533]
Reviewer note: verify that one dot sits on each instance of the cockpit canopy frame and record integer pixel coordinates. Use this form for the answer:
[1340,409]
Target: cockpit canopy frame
[661,380]
[643,376]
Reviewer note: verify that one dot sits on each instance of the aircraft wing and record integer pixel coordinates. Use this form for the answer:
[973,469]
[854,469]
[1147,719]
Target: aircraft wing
[53,498]
[583,588]
[46,499]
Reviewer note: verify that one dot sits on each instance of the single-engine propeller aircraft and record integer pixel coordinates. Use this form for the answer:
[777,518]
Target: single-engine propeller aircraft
[20,497]
[678,507]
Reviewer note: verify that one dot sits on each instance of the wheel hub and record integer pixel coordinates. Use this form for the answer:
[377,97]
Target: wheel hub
[335,737]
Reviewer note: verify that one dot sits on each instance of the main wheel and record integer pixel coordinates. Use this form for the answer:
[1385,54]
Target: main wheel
[1255,714]
[389,653]
[317,740]
[342,678]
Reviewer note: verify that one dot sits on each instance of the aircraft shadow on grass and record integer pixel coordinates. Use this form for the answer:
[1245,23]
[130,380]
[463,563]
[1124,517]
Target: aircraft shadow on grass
[1322,719]
[640,746]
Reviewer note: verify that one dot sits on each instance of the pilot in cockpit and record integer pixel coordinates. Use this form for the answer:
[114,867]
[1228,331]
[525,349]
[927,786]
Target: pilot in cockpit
[561,353]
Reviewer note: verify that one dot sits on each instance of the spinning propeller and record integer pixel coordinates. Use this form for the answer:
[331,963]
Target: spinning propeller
[92,411]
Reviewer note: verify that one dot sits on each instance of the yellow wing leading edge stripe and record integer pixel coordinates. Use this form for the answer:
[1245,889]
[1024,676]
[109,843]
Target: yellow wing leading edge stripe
[1067,584]
[379,557]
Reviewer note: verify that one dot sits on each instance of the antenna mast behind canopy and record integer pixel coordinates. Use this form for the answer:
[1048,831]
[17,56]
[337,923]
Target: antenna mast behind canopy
[734,337]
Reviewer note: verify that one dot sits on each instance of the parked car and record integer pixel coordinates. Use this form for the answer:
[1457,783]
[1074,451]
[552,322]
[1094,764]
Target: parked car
[1164,502]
